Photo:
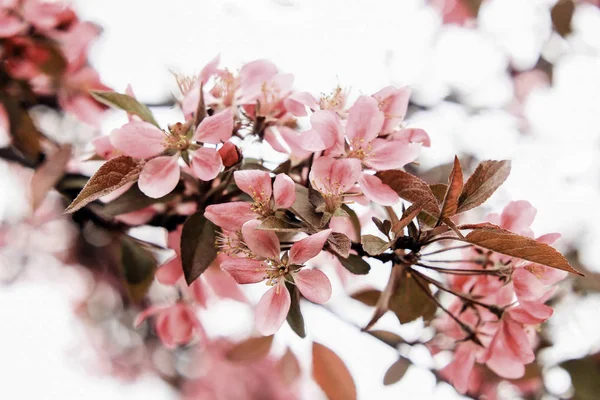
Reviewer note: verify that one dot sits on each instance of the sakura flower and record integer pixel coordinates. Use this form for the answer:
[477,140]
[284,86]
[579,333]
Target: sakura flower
[161,173]
[267,198]
[334,178]
[265,262]
[361,140]
[175,325]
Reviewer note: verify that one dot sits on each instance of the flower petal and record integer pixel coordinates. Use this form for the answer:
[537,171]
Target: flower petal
[206,163]
[394,104]
[377,191]
[391,154]
[215,129]
[329,175]
[255,183]
[138,139]
[328,126]
[284,191]
[365,120]
[272,309]
[296,103]
[261,243]
[518,216]
[244,270]
[170,273]
[230,216]
[413,135]
[159,176]
[313,284]
[309,247]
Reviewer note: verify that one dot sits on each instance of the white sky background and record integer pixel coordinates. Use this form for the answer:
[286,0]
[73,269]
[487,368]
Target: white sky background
[364,45]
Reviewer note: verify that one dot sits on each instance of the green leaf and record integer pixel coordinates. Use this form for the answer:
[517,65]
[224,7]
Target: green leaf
[396,371]
[353,218]
[126,103]
[133,200]
[138,266]
[368,297]
[340,244]
[412,300]
[277,224]
[305,210]
[25,136]
[198,248]
[355,264]
[294,317]
[374,245]
[115,173]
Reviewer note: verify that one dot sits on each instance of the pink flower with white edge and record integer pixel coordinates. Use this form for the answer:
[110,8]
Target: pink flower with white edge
[161,173]
[361,140]
[175,325]
[265,262]
[334,178]
[267,198]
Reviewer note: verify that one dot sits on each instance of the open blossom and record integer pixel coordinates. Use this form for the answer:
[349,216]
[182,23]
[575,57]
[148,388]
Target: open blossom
[161,173]
[267,198]
[175,325]
[333,178]
[508,340]
[264,261]
[369,120]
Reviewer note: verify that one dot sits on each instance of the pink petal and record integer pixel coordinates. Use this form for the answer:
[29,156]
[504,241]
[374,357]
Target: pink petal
[310,141]
[518,216]
[530,313]
[391,154]
[296,103]
[459,370]
[329,175]
[159,176]
[209,69]
[10,25]
[141,317]
[394,104]
[527,286]
[103,147]
[230,216]
[296,141]
[252,76]
[222,284]
[170,273]
[413,135]
[215,129]
[244,270]
[364,120]
[517,341]
[255,183]
[377,191]
[549,238]
[199,290]
[206,163]
[284,191]
[261,243]
[329,127]
[138,139]
[309,247]
[272,309]
[313,284]
[274,138]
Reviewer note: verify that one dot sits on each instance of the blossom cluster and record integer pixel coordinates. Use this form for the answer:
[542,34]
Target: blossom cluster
[231,219]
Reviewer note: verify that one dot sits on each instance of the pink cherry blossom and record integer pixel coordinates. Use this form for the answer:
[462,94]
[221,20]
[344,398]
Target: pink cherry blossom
[333,178]
[160,175]
[267,198]
[265,262]
[175,325]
